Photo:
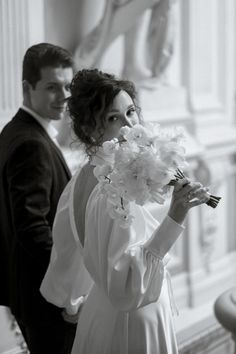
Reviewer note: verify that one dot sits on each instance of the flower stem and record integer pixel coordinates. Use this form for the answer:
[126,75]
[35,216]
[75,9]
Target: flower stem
[213,200]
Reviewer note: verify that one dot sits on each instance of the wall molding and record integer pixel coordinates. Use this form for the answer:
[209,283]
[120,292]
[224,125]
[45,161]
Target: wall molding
[205,286]
[208,338]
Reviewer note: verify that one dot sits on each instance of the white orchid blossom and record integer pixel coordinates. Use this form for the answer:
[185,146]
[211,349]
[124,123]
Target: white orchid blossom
[144,162]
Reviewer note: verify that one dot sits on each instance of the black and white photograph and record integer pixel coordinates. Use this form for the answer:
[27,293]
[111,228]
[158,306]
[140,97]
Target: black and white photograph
[117,177]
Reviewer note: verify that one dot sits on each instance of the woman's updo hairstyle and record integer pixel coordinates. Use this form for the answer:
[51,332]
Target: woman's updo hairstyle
[92,94]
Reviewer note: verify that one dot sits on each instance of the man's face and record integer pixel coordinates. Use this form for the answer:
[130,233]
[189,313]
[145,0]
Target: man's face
[48,97]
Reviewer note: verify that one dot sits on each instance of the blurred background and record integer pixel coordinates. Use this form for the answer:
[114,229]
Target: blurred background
[181,56]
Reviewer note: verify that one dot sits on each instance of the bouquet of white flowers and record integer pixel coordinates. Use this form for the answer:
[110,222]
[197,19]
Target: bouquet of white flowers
[142,166]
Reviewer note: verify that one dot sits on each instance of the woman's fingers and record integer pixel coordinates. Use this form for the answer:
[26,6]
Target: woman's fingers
[186,195]
[196,202]
[190,194]
[199,193]
[188,189]
[181,183]
[200,196]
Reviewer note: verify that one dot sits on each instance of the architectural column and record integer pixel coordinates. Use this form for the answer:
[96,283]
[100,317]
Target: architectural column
[21,25]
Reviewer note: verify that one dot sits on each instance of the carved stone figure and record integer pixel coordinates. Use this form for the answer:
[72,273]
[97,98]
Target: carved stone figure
[126,17]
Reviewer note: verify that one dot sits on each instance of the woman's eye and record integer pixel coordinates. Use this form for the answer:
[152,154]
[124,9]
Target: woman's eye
[131,111]
[67,87]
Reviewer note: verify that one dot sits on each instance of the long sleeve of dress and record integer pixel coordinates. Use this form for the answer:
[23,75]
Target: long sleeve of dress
[126,263]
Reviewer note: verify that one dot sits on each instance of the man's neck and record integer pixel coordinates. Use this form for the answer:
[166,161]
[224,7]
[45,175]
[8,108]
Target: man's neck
[35,114]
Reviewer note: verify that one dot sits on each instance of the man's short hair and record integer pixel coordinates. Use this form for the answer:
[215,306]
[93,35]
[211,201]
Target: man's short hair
[43,55]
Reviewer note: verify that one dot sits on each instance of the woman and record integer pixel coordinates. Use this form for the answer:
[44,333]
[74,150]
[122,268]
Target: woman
[128,309]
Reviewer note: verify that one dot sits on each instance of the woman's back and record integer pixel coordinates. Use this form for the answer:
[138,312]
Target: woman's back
[83,187]
[67,281]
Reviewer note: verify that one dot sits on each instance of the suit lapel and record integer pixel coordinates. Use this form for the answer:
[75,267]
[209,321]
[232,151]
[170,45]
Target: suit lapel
[60,155]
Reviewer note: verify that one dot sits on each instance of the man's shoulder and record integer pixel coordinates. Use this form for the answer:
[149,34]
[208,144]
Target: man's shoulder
[22,126]
[22,132]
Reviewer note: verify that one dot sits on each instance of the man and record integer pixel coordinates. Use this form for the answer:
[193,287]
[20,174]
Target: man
[33,174]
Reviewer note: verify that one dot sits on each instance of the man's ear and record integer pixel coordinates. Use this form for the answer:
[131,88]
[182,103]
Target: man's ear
[26,86]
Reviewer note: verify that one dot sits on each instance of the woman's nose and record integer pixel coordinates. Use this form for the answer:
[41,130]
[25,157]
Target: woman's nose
[126,121]
[64,93]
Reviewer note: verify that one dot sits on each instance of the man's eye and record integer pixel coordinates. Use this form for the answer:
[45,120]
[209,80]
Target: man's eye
[51,88]
[112,119]
[67,87]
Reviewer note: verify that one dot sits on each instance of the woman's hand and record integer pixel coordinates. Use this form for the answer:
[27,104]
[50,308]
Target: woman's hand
[186,195]
[70,318]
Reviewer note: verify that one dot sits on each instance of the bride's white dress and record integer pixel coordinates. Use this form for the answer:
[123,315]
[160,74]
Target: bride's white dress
[128,309]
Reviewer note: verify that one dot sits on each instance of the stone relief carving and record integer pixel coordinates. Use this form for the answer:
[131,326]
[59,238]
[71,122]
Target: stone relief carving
[207,236]
[125,17]
[160,37]
[208,219]
[202,172]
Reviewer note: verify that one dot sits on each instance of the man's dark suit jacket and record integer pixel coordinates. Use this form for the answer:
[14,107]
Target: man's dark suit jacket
[33,174]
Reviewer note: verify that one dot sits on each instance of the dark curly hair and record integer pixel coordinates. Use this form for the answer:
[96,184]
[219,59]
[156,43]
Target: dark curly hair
[92,93]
